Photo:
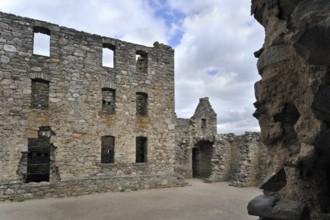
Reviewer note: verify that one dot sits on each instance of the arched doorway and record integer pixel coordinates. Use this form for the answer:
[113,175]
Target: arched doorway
[201,159]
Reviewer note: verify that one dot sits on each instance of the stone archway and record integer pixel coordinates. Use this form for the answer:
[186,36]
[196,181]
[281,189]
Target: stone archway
[201,159]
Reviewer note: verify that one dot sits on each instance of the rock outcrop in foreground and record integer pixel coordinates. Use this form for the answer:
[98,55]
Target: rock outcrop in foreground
[293,108]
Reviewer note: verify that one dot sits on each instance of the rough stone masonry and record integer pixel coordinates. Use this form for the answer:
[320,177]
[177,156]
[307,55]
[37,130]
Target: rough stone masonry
[71,125]
[293,108]
[203,153]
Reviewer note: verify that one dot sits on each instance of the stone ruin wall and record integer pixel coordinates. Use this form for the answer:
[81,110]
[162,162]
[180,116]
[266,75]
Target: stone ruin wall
[240,159]
[293,108]
[72,91]
[248,161]
[68,105]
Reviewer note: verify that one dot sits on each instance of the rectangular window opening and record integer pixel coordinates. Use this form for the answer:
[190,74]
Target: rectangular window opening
[141,104]
[141,59]
[203,123]
[39,94]
[141,150]
[41,41]
[108,55]
[108,101]
[107,149]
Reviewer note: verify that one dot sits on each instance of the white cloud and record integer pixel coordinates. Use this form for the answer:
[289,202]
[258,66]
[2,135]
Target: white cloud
[218,35]
[128,20]
[214,43]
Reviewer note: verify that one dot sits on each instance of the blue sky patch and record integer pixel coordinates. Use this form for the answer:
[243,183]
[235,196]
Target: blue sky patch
[213,72]
[171,17]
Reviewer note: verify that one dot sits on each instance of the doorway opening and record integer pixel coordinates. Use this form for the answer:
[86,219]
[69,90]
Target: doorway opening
[201,159]
[38,159]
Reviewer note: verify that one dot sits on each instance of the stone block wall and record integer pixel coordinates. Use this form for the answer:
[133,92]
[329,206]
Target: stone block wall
[65,92]
[240,159]
[202,153]
[248,160]
[182,150]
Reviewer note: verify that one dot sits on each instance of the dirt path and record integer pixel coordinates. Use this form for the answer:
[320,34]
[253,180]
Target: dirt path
[200,201]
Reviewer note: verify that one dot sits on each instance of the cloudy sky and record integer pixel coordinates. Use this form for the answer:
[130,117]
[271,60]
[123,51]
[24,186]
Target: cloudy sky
[214,41]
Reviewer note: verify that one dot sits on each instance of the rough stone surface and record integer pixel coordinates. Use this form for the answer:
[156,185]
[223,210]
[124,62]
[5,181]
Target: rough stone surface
[261,205]
[275,182]
[321,104]
[275,208]
[241,159]
[310,21]
[66,92]
[292,99]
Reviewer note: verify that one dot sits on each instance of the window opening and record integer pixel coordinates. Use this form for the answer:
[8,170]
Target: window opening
[203,123]
[108,55]
[108,100]
[141,150]
[41,41]
[141,103]
[141,58]
[107,149]
[39,94]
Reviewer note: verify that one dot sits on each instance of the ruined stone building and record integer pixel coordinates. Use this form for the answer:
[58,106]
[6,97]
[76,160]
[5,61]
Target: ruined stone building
[293,108]
[69,125]
[202,153]
[73,123]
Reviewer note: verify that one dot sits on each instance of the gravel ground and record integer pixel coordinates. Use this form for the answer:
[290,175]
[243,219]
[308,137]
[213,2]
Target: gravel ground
[198,201]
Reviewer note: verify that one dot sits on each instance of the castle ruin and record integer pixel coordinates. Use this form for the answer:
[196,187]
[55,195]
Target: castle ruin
[72,124]
[202,153]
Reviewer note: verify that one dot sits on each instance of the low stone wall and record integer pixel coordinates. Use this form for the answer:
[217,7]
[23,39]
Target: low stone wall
[249,159]
[240,159]
[221,159]
[17,191]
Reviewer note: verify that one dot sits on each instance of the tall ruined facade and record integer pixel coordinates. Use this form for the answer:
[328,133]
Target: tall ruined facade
[70,125]
[293,108]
